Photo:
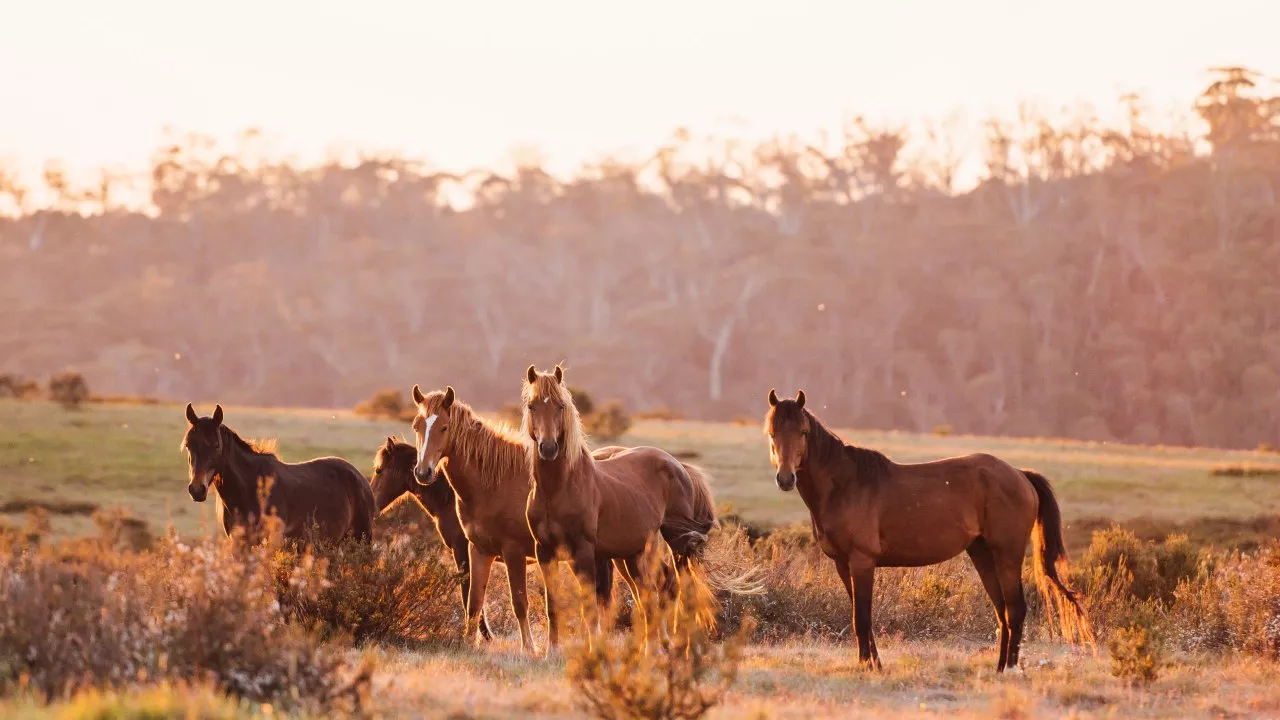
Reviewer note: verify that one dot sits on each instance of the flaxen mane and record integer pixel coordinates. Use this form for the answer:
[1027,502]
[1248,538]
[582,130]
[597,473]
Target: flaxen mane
[495,446]
[546,389]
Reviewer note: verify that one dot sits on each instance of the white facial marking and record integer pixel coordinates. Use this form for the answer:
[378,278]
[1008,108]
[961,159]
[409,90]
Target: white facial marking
[546,400]
[426,435]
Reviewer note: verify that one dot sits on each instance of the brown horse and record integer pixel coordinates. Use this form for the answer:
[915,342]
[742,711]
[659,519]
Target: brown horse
[393,478]
[327,495]
[870,512]
[606,507]
[487,466]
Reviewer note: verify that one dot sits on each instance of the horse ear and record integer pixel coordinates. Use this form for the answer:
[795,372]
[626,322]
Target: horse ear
[418,397]
[559,375]
[448,398]
[800,399]
[532,375]
[773,397]
[191,415]
[391,443]
[217,415]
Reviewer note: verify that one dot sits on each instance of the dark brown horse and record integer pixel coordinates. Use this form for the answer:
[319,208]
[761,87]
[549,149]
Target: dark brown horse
[611,507]
[327,495]
[870,512]
[393,478]
[487,465]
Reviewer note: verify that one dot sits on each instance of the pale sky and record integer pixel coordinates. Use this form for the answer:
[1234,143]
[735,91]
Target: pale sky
[459,83]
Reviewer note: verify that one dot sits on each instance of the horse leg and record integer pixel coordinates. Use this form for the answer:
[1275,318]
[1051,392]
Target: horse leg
[862,574]
[480,564]
[1015,602]
[517,581]
[463,565]
[629,568]
[980,554]
[547,564]
[584,566]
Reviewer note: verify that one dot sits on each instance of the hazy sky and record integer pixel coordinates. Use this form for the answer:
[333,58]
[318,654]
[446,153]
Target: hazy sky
[461,82]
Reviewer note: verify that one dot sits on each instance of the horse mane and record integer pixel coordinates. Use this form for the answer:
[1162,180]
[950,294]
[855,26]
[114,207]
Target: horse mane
[575,438]
[265,447]
[492,445]
[869,465]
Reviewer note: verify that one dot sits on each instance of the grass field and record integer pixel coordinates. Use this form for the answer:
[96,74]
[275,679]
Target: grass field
[127,456]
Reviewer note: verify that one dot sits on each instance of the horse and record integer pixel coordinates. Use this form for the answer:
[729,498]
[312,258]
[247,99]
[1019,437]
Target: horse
[868,511]
[608,507]
[328,495]
[487,467]
[393,478]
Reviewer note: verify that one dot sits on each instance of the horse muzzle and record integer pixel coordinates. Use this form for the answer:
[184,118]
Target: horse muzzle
[425,475]
[548,450]
[198,492]
[786,481]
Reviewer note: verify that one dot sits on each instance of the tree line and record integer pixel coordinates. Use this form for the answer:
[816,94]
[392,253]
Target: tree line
[1108,283]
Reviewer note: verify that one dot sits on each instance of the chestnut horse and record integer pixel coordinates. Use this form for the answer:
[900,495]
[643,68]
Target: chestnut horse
[393,478]
[870,512]
[327,494]
[487,466]
[608,507]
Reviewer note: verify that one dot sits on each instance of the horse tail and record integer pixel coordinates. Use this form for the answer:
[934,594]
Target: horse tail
[1050,553]
[710,570]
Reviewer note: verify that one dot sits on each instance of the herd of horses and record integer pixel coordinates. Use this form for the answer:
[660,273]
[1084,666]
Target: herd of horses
[539,494]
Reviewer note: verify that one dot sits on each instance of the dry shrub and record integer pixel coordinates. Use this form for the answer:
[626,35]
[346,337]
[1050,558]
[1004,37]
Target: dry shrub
[68,389]
[1236,605]
[608,424]
[675,672]
[943,430]
[386,404]
[81,615]
[660,414]
[1245,470]
[1119,571]
[397,591]
[1137,645]
[14,386]
[178,701]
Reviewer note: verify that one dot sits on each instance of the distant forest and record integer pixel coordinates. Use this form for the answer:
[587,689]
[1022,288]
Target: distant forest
[1105,283]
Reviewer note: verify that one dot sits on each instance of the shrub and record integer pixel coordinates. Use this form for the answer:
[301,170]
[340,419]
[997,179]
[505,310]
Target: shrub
[582,400]
[1137,646]
[661,414]
[159,702]
[386,404]
[943,430]
[387,592]
[1156,569]
[609,424]
[80,615]
[69,389]
[680,673]
[13,386]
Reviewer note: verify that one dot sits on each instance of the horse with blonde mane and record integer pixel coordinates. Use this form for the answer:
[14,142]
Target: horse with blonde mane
[487,465]
[610,507]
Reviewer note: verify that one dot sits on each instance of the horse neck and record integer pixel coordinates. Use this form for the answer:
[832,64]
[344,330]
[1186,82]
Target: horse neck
[553,476]
[825,465]
[436,499]
[239,471]
[473,475]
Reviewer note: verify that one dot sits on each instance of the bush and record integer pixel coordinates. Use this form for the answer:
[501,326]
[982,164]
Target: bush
[661,414]
[609,424]
[80,615]
[386,404]
[387,592]
[582,400]
[680,673]
[13,386]
[1137,646]
[1156,569]
[160,702]
[68,389]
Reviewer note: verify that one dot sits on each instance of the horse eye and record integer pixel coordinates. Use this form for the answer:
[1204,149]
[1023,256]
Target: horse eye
[444,430]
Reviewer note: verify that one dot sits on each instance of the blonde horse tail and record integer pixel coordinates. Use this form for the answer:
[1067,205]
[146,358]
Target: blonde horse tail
[1050,552]
[709,564]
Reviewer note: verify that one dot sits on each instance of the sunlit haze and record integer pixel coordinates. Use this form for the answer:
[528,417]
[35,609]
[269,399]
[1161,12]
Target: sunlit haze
[463,84]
